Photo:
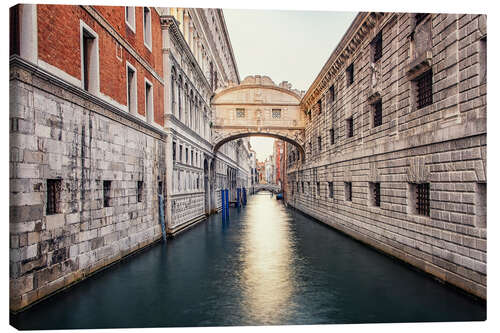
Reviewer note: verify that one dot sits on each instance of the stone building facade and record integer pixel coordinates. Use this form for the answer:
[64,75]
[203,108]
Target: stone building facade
[110,120]
[395,142]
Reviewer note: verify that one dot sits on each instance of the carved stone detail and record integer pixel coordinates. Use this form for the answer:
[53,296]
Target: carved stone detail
[417,171]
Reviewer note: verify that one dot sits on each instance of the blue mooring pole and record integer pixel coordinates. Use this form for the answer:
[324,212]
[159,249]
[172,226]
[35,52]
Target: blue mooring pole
[223,205]
[227,203]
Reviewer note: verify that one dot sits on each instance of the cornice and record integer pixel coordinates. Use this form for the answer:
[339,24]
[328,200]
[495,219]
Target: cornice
[228,40]
[246,86]
[170,23]
[348,46]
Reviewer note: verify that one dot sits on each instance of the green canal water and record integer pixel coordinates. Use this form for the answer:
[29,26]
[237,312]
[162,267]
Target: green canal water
[267,266]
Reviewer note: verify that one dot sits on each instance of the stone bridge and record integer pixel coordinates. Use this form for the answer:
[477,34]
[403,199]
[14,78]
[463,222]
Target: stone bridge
[258,107]
[267,187]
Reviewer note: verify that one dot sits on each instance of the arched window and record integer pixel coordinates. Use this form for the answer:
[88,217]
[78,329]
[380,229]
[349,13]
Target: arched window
[172,92]
[179,99]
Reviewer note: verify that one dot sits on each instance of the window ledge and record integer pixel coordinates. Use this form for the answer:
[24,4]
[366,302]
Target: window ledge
[419,65]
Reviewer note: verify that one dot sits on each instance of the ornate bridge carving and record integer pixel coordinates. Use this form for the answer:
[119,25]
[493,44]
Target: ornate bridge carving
[258,107]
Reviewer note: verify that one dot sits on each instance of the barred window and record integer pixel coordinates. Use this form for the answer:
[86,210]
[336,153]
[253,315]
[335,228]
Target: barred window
[276,113]
[319,143]
[106,189]
[332,93]
[350,74]
[53,196]
[350,127]
[377,113]
[240,113]
[376,45]
[375,194]
[348,191]
[424,89]
[140,185]
[422,199]
[332,136]
[419,17]
[330,189]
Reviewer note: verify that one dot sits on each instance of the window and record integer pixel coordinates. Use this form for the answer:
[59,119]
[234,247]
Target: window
[420,198]
[53,196]
[348,191]
[276,113]
[240,113]
[424,89]
[480,205]
[192,155]
[160,187]
[332,136]
[180,153]
[89,46]
[419,17]
[374,194]
[187,155]
[332,93]
[147,27]
[349,127]
[139,190]
[302,187]
[377,113]
[318,189]
[350,74]
[376,45]
[319,143]
[319,106]
[310,148]
[131,89]
[106,189]
[330,189]
[149,101]
[130,17]
[308,187]
[482,60]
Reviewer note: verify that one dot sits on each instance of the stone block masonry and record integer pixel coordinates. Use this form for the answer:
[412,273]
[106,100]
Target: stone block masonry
[57,134]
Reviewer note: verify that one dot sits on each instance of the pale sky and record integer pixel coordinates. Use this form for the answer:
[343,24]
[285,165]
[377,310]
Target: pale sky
[285,45]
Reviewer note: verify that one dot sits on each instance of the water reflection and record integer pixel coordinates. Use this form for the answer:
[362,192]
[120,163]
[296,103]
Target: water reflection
[266,254]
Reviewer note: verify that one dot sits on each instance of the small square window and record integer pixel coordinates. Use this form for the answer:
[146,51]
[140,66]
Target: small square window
[348,191]
[350,74]
[240,113]
[349,127]
[377,113]
[139,190]
[424,89]
[276,113]
[420,198]
[53,196]
[106,189]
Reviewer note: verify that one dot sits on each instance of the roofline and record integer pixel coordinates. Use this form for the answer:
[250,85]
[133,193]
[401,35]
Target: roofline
[226,34]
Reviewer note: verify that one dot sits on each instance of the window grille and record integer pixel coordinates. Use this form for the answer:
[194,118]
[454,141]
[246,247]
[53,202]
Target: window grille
[330,189]
[350,74]
[348,191]
[276,113]
[377,47]
[376,194]
[240,113]
[423,202]
[424,89]
[106,187]
[377,113]
[53,196]
[139,190]
[332,136]
[350,127]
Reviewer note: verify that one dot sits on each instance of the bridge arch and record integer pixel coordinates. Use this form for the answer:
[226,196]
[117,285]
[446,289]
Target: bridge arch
[258,107]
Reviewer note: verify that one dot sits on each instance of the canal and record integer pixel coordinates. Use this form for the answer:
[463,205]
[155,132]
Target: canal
[268,265]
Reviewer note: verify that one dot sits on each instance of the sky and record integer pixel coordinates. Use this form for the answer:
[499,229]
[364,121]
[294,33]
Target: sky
[285,45]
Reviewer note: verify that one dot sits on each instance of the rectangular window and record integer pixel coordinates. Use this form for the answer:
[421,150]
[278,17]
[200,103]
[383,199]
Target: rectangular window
[349,127]
[192,155]
[149,101]
[180,153]
[332,136]
[332,93]
[131,89]
[89,59]
[319,106]
[240,113]
[139,190]
[147,27]
[350,74]
[302,187]
[187,155]
[318,189]
[276,113]
[482,60]
[160,187]
[330,189]
[376,45]
[374,194]
[130,17]
[420,198]
[106,193]
[174,152]
[319,143]
[377,113]
[53,196]
[480,205]
[424,89]
[348,191]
